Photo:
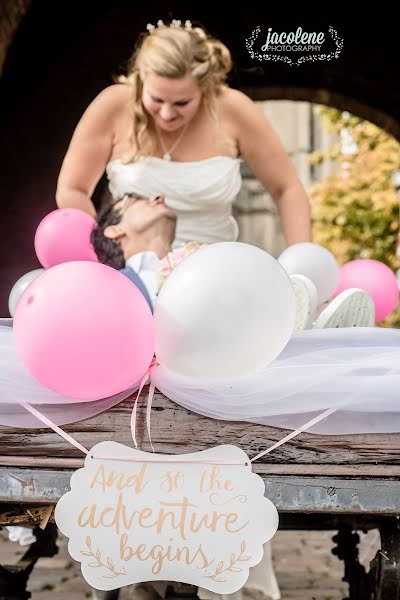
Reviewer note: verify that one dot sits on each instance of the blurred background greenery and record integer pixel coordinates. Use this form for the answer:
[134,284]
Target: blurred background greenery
[355,209]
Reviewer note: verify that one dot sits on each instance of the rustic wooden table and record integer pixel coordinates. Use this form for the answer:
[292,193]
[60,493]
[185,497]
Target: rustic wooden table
[347,483]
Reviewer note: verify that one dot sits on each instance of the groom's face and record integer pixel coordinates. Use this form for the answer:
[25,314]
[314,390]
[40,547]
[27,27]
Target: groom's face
[139,214]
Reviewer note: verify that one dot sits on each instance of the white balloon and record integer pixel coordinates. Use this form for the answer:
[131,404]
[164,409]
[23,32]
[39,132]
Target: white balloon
[315,262]
[19,287]
[226,310]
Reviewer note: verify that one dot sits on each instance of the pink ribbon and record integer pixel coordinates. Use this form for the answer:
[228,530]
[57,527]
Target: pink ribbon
[178,459]
[54,427]
[150,396]
[145,380]
[134,410]
[293,434]
[148,412]
[71,440]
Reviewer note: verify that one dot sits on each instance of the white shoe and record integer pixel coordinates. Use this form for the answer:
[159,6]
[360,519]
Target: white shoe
[351,308]
[306,301]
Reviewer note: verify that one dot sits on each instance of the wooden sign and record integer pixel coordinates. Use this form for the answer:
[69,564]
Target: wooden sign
[198,518]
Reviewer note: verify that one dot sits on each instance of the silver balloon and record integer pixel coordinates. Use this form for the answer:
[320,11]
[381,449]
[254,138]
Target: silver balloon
[19,287]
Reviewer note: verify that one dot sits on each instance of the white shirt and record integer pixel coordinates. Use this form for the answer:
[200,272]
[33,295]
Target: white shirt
[145,265]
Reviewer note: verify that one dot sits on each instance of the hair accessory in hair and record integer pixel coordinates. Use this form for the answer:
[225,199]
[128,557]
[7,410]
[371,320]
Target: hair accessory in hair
[175,24]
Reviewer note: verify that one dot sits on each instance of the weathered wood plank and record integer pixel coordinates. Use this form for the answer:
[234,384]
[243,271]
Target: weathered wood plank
[362,470]
[41,462]
[321,470]
[176,430]
[293,494]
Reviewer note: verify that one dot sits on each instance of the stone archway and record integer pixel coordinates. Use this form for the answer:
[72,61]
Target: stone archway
[11,14]
[329,98]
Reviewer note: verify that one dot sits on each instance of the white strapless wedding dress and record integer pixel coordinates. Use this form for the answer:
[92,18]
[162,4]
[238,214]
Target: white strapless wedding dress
[201,193]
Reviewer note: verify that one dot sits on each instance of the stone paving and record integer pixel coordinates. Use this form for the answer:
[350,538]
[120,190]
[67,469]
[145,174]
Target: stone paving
[304,565]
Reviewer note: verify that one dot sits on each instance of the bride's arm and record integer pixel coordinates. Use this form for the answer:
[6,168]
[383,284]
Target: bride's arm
[89,151]
[262,150]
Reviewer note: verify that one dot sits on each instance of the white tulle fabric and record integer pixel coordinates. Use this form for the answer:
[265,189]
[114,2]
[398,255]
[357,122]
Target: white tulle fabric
[17,385]
[200,192]
[355,370]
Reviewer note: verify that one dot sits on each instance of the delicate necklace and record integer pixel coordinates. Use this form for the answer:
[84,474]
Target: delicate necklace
[167,153]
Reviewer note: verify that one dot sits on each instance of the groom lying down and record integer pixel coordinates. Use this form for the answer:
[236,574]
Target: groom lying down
[135,235]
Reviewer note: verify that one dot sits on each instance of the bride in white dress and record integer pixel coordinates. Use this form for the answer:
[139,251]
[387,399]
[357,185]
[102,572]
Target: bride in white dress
[173,126]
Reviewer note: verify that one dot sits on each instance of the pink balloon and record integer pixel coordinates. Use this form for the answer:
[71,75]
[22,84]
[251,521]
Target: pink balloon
[64,235]
[84,330]
[376,278]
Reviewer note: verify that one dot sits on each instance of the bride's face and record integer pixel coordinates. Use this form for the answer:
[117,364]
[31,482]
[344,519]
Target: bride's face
[172,102]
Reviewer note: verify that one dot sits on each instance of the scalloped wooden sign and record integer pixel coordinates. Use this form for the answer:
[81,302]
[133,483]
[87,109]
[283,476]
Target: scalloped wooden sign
[133,516]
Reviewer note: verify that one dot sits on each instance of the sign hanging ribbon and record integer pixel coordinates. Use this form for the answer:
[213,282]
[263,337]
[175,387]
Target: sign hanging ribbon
[71,440]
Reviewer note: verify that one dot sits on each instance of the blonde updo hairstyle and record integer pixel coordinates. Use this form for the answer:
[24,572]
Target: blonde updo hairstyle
[173,52]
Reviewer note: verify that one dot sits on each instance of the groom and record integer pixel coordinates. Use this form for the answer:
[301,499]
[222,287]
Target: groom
[133,235]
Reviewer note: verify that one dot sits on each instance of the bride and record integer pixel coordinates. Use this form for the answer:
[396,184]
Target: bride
[173,125]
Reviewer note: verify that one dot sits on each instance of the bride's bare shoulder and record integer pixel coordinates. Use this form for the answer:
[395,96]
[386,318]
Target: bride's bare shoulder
[234,101]
[111,102]
[114,96]
[237,109]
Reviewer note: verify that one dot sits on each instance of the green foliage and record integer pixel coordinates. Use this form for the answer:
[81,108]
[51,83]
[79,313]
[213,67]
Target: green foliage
[355,210]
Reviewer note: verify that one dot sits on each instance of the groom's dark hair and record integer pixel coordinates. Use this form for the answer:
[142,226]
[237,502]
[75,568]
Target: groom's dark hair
[108,251]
